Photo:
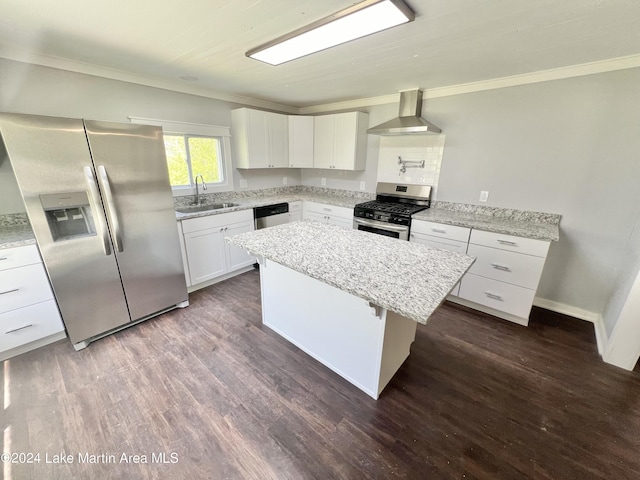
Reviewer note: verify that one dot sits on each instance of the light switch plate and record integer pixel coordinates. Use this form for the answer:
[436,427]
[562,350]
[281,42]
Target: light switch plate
[284,180]
[323,182]
[484,196]
[243,183]
[362,185]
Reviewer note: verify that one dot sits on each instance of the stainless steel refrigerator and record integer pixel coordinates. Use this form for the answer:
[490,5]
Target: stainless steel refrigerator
[99,201]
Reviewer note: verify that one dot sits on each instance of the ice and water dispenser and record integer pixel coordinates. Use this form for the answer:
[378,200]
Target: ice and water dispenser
[68,215]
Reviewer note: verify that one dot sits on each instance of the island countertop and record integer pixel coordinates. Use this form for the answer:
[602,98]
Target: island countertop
[407,278]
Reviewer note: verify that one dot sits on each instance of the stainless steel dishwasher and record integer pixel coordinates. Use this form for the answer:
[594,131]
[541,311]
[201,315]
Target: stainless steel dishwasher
[271,215]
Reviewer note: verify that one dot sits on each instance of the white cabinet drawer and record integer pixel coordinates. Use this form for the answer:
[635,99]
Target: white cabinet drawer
[497,295]
[451,232]
[212,221]
[295,206]
[529,246]
[436,242]
[25,325]
[332,210]
[23,286]
[19,256]
[506,266]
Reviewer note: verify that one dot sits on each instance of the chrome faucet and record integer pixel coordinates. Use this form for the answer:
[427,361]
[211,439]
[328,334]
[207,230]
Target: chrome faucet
[204,187]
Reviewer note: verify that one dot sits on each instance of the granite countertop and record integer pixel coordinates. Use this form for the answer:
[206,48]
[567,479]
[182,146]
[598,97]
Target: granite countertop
[15,231]
[408,278]
[250,203]
[537,225]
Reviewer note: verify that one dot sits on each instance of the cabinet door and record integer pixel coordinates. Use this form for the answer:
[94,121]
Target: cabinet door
[300,141]
[315,216]
[257,137]
[278,136]
[435,242]
[323,140]
[295,216]
[340,221]
[443,244]
[236,257]
[345,140]
[205,254]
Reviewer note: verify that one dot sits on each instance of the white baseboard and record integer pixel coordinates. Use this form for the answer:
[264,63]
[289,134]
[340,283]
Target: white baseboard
[581,314]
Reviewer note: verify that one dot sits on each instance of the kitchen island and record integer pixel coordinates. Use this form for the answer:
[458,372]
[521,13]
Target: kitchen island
[350,299]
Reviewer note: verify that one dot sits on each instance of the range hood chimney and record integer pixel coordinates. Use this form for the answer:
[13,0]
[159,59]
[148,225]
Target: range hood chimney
[409,121]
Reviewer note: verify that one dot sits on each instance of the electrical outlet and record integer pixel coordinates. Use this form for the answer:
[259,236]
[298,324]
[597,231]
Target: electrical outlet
[284,180]
[362,185]
[243,183]
[484,196]
[323,182]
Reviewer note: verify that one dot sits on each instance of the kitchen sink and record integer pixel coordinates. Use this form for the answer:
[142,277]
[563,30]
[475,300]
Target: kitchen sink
[206,207]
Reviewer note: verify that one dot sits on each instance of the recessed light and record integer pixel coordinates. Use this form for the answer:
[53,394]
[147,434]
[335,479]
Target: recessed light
[189,78]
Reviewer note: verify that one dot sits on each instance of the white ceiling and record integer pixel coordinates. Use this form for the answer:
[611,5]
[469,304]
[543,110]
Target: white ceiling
[451,42]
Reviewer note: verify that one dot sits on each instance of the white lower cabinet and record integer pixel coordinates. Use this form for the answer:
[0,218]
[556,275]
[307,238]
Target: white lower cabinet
[445,237]
[29,316]
[504,278]
[295,211]
[324,213]
[208,255]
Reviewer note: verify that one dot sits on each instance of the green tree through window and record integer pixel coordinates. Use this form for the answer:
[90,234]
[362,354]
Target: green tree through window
[190,155]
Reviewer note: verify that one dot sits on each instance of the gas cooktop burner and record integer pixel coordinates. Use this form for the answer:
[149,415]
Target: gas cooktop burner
[395,208]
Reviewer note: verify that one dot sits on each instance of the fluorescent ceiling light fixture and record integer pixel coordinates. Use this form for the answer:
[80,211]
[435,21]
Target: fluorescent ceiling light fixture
[357,21]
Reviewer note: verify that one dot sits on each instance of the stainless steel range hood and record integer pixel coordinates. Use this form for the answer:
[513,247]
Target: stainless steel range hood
[409,121]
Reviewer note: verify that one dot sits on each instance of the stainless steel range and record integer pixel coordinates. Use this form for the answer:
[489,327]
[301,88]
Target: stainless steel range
[390,213]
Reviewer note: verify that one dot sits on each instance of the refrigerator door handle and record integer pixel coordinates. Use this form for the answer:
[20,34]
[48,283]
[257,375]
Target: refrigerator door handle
[95,200]
[103,178]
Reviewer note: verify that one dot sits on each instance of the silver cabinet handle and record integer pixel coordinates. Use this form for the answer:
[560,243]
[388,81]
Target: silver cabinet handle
[111,207]
[503,268]
[9,291]
[439,230]
[507,242]
[493,296]
[4,258]
[97,207]
[19,328]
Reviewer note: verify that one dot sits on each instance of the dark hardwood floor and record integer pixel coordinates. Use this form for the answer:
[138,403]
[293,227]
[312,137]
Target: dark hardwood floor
[229,399]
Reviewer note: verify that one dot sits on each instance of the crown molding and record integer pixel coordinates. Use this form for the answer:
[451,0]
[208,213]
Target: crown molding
[121,75]
[603,66]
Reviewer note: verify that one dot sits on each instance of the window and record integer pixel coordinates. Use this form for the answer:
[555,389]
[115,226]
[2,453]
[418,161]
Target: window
[190,155]
[195,149]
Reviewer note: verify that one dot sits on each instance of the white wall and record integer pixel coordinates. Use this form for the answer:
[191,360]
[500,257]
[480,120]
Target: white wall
[568,146]
[26,88]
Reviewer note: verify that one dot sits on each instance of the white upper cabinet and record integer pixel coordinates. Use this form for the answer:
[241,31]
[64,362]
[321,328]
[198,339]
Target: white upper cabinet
[260,139]
[340,141]
[300,141]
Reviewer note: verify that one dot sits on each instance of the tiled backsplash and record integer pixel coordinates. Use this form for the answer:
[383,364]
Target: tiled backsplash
[414,149]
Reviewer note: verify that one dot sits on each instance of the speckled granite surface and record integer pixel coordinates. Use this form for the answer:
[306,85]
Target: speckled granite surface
[248,200]
[538,225]
[15,231]
[408,278]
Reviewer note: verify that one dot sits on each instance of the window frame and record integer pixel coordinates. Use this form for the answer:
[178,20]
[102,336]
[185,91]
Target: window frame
[222,133]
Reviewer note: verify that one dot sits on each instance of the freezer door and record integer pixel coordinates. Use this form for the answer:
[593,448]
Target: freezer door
[51,161]
[134,181]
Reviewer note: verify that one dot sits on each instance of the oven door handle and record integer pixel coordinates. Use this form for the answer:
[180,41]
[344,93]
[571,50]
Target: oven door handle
[381,225]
